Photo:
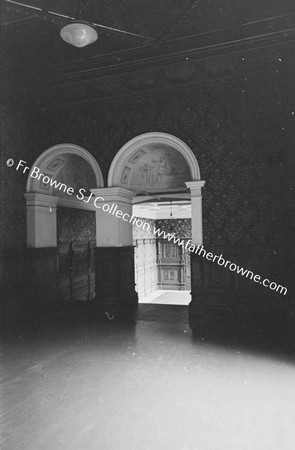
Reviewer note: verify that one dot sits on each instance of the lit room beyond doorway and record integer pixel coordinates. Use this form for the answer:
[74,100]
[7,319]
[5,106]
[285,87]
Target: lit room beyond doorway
[162,266]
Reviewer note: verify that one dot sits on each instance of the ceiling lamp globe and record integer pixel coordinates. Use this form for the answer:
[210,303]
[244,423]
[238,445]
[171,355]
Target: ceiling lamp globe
[78,34]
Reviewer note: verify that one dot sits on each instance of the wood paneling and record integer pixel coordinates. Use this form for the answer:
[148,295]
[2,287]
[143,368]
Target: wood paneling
[173,265]
[76,272]
[114,278]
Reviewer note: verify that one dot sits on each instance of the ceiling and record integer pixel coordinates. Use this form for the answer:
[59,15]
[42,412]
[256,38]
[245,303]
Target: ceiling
[181,209]
[145,40]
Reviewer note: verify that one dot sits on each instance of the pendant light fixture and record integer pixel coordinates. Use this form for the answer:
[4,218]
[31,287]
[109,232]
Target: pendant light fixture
[78,34]
[80,28]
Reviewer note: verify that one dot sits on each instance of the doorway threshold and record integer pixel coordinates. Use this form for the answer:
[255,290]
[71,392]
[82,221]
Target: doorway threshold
[169,297]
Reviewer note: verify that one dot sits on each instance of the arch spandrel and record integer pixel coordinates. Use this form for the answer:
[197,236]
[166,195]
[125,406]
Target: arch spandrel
[154,162]
[68,164]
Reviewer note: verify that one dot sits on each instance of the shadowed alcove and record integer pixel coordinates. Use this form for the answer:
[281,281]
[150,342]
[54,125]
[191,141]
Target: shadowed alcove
[60,225]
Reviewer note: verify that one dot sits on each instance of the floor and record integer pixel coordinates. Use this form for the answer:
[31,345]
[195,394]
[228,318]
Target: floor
[171,297]
[147,385]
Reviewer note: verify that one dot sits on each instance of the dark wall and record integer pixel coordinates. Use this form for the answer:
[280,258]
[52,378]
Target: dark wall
[75,225]
[16,117]
[181,227]
[143,232]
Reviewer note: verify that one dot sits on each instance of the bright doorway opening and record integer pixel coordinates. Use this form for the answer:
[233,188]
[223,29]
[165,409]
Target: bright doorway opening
[162,267]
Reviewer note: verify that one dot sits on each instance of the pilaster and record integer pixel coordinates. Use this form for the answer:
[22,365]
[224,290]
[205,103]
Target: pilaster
[41,220]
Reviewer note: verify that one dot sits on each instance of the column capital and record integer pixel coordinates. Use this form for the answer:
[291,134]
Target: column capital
[114,194]
[36,199]
[195,187]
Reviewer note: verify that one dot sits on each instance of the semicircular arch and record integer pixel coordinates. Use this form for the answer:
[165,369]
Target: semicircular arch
[68,163]
[154,162]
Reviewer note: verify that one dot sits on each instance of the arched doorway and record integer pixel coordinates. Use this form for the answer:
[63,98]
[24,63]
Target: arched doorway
[156,167]
[60,226]
[152,166]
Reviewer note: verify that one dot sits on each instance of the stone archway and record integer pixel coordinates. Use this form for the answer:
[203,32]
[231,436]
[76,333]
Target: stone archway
[147,165]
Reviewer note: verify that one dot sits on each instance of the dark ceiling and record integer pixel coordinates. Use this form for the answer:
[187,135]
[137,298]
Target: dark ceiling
[147,38]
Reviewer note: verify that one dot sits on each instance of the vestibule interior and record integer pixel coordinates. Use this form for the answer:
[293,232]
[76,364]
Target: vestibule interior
[108,373]
[162,266]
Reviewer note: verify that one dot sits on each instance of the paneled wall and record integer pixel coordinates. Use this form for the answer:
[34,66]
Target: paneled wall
[174,271]
[160,264]
[146,276]
[75,251]
[76,270]
[173,262]
[145,259]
